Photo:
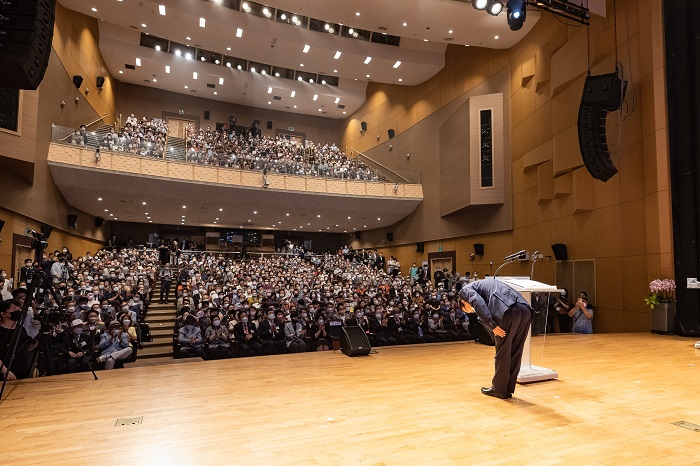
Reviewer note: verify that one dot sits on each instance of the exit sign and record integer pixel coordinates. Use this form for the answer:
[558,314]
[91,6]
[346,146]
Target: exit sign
[290,128]
[439,248]
[181,112]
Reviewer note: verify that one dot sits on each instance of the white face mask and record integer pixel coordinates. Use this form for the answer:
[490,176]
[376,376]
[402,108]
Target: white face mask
[78,330]
[126,322]
[216,322]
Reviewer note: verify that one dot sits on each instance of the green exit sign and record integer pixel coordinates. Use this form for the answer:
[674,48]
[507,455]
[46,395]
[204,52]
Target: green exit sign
[439,248]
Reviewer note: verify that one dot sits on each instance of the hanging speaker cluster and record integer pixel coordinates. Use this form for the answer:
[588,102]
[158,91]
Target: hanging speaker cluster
[601,94]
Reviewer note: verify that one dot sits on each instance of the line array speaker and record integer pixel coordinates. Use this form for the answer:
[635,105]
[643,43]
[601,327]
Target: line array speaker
[206,114]
[358,235]
[72,220]
[390,236]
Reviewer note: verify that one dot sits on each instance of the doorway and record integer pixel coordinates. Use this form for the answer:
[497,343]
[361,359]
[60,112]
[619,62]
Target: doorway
[177,127]
[22,253]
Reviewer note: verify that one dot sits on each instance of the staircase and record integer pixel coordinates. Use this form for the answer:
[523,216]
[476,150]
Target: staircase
[161,318]
[176,149]
[94,138]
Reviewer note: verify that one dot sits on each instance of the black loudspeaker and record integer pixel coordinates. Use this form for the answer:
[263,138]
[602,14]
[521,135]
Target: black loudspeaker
[269,124]
[2,224]
[478,249]
[687,327]
[391,134]
[26,33]
[390,237]
[358,235]
[100,81]
[99,222]
[601,94]
[354,342]
[559,251]
[77,81]
[363,125]
[420,247]
[72,220]
[481,333]
[46,230]
[206,114]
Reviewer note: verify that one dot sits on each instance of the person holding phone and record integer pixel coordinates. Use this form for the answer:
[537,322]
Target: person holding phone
[582,315]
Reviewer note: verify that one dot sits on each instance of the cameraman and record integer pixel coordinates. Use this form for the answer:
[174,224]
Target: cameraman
[10,313]
[61,269]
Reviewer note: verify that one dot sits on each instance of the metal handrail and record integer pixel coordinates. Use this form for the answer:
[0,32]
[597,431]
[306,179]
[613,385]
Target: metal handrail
[86,126]
[384,167]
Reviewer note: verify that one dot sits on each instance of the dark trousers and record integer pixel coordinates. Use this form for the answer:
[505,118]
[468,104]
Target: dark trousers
[509,350]
[164,290]
[564,323]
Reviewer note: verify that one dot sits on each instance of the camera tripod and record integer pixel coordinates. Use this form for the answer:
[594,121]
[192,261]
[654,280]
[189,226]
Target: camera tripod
[40,288]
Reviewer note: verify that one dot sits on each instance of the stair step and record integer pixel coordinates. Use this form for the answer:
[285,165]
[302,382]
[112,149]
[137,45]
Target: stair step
[155,352]
[161,331]
[160,319]
[162,312]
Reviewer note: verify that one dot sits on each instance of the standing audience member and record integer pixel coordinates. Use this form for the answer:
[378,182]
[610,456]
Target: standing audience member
[562,308]
[582,315]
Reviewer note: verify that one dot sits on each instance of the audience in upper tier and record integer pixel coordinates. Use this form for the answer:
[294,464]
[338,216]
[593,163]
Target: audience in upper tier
[246,151]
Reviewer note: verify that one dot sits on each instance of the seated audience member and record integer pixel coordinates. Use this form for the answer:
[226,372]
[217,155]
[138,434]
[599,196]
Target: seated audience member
[294,334]
[190,339]
[417,329]
[320,340]
[379,332]
[114,346]
[76,348]
[397,327]
[582,315]
[271,333]
[217,338]
[245,334]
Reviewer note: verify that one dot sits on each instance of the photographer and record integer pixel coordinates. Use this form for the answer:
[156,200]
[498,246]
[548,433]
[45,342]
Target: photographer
[10,311]
[61,270]
[582,315]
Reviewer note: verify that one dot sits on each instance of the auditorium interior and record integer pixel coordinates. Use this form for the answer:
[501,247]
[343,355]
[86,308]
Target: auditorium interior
[260,215]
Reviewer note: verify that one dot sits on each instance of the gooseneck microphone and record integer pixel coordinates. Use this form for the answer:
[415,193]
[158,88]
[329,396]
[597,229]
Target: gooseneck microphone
[515,255]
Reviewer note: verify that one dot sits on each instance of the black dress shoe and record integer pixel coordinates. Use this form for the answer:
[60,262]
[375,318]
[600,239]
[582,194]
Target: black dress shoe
[490,392]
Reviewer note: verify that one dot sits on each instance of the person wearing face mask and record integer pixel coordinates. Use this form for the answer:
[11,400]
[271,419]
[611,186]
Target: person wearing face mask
[397,327]
[218,345]
[10,312]
[454,326]
[378,332]
[166,280]
[5,286]
[562,308]
[190,339]
[417,329]
[246,335]
[114,346]
[294,335]
[318,330]
[129,328]
[269,331]
[436,327]
[76,348]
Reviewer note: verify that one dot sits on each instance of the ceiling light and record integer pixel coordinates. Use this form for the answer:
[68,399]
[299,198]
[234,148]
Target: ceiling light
[203,58]
[252,69]
[293,93]
[263,72]
[479,4]
[283,17]
[188,38]
[194,75]
[144,203]
[337,99]
[202,22]
[269,103]
[150,221]
[323,81]
[246,7]
[111,215]
[228,48]
[495,8]
[269,90]
[337,55]
[183,216]
[266,11]
[178,52]
[319,216]
[315,97]
[94,9]
[326,26]
[99,198]
[121,72]
[320,110]
[143,25]
[217,61]
[161,10]
[450,31]
[301,64]
[400,80]
[239,67]
[516,11]
[348,218]
[397,64]
[425,40]
[158,47]
[277,75]
[307,48]
[368,76]
[345,113]
[335,71]
[495,37]
[295,106]
[216,93]
[367,60]
[167,68]
[239,32]
[138,62]
[106,210]
[351,31]
[155,80]
[184,206]
[186,87]
[188,56]
[300,78]
[221,81]
[405,24]
[357,14]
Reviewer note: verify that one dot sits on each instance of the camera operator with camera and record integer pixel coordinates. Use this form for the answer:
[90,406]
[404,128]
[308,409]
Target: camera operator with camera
[61,270]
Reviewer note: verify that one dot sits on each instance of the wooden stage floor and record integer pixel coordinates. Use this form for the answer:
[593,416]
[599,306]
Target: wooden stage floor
[614,403]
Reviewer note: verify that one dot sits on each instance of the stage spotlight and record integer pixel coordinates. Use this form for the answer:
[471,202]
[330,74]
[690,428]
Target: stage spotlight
[516,12]
[479,4]
[495,8]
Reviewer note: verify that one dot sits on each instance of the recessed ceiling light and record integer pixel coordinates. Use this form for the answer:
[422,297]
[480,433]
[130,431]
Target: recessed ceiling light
[397,64]
[425,40]
[106,210]
[158,47]
[121,72]
[269,90]
[228,48]
[111,215]
[217,218]
[221,81]
[143,203]
[186,87]
[161,10]
[254,212]
[367,60]
[178,52]
[94,9]
[335,71]
[155,80]
[405,24]
[320,110]
[345,113]
[183,216]
[143,25]
[337,55]
[99,198]
[495,37]
[301,64]
[202,22]
[167,68]
[115,218]
[184,206]
[319,216]
[203,58]
[293,93]
[188,56]
[450,31]
[188,38]
[221,210]
[287,215]
[194,75]
[357,14]
[295,106]
[315,97]
[138,62]
[263,72]
[307,48]
[150,221]
[300,78]
[348,218]
[269,103]
[239,32]
[216,93]
[379,218]
[400,80]
[337,99]
[368,76]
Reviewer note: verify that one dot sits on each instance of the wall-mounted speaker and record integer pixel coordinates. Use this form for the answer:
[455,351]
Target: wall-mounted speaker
[391,133]
[420,247]
[72,220]
[363,125]
[559,251]
[354,342]
[25,42]
[601,94]
[390,236]
[358,235]
[100,81]
[46,230]
[269,124]
[206,114]
[99,222]
[77,81]
[479,249]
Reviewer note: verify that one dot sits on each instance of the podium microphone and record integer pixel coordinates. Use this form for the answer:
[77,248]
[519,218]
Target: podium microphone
[534,259]
[515,255]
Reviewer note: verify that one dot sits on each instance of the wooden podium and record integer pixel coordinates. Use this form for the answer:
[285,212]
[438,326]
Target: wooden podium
[525,286]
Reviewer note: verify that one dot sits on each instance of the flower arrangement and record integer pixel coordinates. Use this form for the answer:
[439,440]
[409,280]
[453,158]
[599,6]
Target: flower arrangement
[661,291]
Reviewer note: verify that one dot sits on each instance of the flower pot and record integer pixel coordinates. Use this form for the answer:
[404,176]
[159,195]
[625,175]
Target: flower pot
[662,318]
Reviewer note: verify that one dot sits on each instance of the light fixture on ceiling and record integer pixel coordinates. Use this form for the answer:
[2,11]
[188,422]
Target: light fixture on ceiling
[367,60]
[239,32]
[188,56]
[400,80]
[167,69]
[155,80]
[266,11]
[178,52]
[138,62]
[252,69]
[495,8]
[307,48]
[121,72]
[246,7]
[450,31]
[357,14]
[269,90]
[397,64]
[161,10]
[293,93]
[203,58]
[337,100]
[516,14]
[143,25]
[158,48]
[480,4]
[194,75]
[405,24]
[337,55]
[315,97]
[94,9]
[186,87]
[221,81]
[202,22]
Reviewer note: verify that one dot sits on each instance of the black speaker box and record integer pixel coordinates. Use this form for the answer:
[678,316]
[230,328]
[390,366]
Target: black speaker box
[2,224]
[354,342]
[100,81]
[481,333]
[99,222]
[479,249]
[72,220]
[605,90]
[46,230]
[269,124]
[363,125]
[390,237]
[206,114]
[358,235]
[26,33]
[391,134]
[559,251]
[420,247]
[687,327]
[77,81]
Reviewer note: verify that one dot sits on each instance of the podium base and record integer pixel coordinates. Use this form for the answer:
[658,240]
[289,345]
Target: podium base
[536,374]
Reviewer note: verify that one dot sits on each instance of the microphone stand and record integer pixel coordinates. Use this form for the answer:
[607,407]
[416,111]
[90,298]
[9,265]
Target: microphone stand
[534,259]
[504,264]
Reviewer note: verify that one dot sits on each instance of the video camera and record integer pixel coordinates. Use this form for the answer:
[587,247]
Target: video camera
[39,240]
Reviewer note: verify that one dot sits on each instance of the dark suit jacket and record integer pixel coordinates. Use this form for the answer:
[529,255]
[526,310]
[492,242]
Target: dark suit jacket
[265,334]
[491,298]
[239,334]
